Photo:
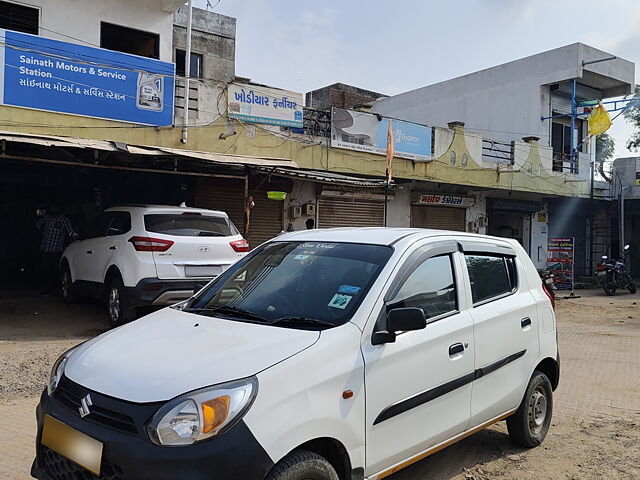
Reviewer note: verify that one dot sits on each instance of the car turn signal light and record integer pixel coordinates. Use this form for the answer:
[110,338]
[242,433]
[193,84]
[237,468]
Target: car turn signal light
[214,413]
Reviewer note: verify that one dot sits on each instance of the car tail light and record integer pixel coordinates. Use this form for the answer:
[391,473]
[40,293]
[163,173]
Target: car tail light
[240,245]
[553,300]
[148,244]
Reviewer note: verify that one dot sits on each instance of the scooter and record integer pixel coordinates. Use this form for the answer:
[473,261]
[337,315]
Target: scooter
[615,275]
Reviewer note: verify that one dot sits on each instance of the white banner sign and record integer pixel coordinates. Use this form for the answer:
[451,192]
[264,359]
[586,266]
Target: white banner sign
[445,200]
[252,103]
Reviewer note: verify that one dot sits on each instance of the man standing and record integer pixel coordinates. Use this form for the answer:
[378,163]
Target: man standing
[57,233]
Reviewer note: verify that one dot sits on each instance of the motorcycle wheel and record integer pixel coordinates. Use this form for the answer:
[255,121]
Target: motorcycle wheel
[632,287]
[609,288]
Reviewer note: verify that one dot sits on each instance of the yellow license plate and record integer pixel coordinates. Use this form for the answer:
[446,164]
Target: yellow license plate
[72,444]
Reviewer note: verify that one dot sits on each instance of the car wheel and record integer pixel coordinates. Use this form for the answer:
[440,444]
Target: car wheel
[302,465]
[68,290]
[117,305]
[530,424]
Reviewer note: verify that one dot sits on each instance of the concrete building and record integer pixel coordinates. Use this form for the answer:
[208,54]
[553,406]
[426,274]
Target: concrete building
[340,95]
[509,105]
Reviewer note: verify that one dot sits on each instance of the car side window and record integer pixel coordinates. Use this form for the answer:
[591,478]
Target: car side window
[120,223]
[430,287]
[98,228]
[491,276]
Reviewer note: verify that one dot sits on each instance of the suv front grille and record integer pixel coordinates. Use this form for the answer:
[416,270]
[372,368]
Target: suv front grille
[59,468]
[71,394]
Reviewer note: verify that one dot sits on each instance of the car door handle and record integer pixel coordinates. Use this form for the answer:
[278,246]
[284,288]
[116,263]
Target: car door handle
[455,349]
[113,247]
[90,252]
[525,322]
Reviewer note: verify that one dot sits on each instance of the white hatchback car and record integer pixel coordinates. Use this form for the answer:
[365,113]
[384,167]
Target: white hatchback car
[141,255]
[323,354]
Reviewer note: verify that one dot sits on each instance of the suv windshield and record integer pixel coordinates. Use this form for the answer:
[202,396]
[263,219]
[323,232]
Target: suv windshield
[295,284]
[189,225]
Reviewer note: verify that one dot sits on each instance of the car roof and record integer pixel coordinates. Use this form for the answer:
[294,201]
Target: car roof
[163,208]
[374,235]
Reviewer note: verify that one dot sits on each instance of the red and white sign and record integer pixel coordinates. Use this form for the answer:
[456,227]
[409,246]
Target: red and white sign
[445,200]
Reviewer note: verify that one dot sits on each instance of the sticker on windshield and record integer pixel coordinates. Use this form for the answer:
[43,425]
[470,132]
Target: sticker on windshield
[349,289]
[317,245]
[340,301]
[301,257]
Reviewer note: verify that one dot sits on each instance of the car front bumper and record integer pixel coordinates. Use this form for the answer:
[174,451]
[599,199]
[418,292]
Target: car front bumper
[132,456]
[155,291]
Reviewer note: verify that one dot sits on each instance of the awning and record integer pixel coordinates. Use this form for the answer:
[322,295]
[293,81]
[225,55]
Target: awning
[103,145]
[329,178]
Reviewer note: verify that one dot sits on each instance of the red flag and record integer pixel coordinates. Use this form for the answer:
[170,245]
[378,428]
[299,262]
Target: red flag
[390,153]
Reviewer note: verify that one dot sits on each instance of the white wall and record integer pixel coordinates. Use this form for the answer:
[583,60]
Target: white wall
[399,207]
[80,19]
[303,192]
[539,239]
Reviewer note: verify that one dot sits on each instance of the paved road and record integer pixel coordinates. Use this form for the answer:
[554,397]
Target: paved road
[595,433]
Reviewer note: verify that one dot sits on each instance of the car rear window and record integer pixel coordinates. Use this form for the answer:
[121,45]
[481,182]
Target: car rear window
[491,276]
[189,225]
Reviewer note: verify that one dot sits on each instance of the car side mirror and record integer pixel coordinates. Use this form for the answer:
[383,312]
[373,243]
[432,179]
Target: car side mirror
[400,320]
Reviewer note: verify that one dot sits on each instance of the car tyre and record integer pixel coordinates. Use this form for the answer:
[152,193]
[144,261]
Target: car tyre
[303,465]
[68,290]
[530,424]
[118,307]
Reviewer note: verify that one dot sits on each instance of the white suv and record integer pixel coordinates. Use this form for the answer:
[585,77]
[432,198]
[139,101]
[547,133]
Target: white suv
[142,255]
[323,354]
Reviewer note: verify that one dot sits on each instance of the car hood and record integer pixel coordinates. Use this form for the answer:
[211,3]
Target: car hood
[171,352]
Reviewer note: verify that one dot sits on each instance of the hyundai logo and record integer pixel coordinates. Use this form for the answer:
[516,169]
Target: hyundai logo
[85,403]
[204,248]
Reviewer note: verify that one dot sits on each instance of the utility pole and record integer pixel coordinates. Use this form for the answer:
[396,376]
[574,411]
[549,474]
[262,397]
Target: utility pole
[187,72]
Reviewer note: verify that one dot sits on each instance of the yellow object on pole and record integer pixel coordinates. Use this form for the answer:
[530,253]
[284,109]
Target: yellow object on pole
[599,120]
[390,152]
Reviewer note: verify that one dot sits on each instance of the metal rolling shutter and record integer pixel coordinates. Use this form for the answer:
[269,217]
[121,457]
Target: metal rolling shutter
[224,194]
[266,219]
[349,212]
[442,218]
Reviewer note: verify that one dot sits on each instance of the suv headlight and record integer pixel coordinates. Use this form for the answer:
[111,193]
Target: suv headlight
[203,413]
[58,370]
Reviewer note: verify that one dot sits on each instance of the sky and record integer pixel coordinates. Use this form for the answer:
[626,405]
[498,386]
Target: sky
[395,46]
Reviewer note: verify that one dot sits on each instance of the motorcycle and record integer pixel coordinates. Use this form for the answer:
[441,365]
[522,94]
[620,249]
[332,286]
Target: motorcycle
[547,279]
[615,275]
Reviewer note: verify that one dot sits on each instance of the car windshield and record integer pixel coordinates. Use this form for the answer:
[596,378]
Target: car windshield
[189,225]
[295,284]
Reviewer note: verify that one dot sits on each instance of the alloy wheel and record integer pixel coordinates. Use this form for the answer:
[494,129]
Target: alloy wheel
[114,304]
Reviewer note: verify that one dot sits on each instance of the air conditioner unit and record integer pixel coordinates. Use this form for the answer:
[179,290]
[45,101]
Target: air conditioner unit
[295,212]
[309,209]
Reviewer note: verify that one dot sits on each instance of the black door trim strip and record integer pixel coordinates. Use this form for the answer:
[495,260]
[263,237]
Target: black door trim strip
[432,394]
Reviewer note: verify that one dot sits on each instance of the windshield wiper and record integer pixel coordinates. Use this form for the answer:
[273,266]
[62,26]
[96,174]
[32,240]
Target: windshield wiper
[302,322]
[240,312]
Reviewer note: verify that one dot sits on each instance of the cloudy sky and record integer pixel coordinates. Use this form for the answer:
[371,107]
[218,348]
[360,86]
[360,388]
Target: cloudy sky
[395,46]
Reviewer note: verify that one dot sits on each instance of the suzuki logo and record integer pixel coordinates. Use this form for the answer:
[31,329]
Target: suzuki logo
[85,403]
[204,248]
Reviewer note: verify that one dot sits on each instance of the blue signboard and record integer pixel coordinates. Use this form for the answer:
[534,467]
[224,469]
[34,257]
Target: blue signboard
[367,132]
[46,74]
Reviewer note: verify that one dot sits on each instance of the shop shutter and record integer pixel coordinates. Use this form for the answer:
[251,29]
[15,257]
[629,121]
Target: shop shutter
[441,218]
[350,212]
[224,194]
[266,218]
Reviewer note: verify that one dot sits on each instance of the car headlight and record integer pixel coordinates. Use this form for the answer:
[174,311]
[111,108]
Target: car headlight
[201,414]
[58,370]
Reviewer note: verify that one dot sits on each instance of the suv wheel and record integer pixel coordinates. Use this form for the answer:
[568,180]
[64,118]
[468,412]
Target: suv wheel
[117,305]
[530,424]
[67,288]
[303,465]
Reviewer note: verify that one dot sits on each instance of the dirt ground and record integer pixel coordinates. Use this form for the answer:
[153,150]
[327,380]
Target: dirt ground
[595,433]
